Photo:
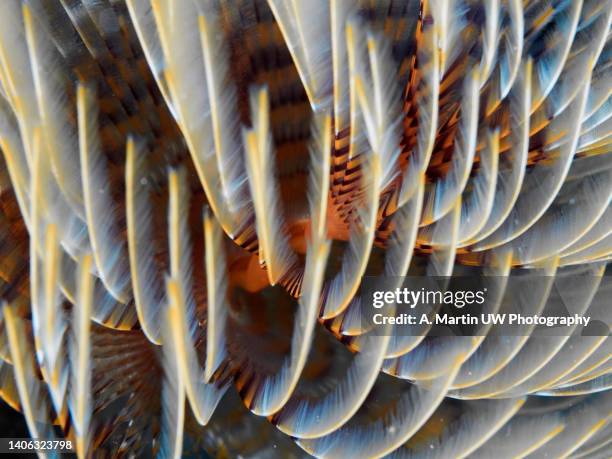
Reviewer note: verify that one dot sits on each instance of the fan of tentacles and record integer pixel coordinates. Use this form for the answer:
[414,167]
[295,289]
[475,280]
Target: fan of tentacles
[193,191]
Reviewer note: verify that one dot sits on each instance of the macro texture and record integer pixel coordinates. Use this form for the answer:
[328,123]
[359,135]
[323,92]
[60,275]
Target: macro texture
[193,190]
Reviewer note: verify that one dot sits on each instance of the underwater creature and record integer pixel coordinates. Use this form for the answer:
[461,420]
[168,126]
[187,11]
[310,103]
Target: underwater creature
[193,193]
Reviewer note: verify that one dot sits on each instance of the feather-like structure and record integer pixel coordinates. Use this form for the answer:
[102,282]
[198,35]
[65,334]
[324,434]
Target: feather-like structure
[201,199]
